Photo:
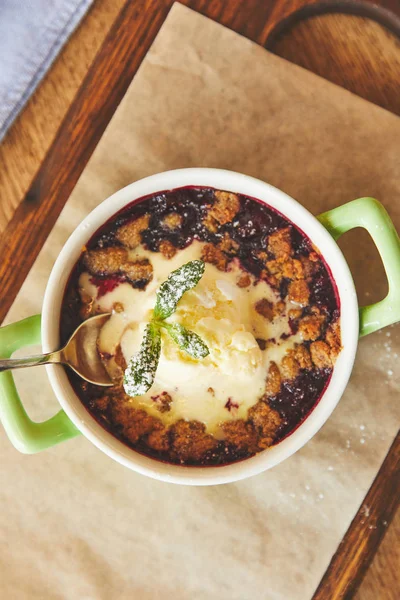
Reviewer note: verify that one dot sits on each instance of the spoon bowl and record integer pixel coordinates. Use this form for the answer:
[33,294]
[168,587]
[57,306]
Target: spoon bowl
[80,354]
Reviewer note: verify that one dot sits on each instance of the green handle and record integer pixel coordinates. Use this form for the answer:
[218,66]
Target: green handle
[26,435]
[370,214]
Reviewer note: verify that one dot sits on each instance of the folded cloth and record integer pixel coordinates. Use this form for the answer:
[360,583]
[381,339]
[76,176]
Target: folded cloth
[32,32]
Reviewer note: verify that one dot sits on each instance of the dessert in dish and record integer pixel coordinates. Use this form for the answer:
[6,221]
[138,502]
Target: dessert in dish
[266,307]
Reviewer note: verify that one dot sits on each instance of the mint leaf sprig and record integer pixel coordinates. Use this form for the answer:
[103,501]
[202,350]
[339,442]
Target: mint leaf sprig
[139,375]
[171,291]
[142,367]
[187,340]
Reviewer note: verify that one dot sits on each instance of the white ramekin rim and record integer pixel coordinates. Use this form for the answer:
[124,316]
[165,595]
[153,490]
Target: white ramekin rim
[235,182]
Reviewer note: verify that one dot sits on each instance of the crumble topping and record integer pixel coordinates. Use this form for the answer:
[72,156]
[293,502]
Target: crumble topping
[215,256]
[298,292]
[244,280]
[173,220]
[273,383]
[225,207]
[321,355]
[130,234]
[115,261]
[279,244]
[167,249]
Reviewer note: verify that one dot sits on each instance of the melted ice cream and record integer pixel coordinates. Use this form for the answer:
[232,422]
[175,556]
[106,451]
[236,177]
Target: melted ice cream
[231,379]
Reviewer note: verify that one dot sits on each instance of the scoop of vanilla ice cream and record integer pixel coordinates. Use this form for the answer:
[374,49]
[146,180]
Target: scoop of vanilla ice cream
[233,350]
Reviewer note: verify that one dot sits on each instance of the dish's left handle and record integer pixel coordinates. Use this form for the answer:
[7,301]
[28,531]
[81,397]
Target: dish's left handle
[26,435]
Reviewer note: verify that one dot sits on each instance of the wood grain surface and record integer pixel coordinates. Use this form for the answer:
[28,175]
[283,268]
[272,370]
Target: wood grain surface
[381,581]
[29,139]
[48,146]
[357,548]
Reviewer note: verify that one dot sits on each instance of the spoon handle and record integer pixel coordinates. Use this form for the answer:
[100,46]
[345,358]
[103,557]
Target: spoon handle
[31,361]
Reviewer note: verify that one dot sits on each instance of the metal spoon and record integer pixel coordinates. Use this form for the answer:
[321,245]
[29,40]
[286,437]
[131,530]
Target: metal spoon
[80,354]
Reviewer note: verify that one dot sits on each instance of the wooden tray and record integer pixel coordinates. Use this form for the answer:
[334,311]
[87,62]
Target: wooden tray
[276,25]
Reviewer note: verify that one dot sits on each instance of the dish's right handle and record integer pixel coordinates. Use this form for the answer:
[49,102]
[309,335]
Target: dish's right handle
[370,214]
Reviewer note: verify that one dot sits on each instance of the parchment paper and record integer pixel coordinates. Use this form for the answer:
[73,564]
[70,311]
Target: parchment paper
[75,524]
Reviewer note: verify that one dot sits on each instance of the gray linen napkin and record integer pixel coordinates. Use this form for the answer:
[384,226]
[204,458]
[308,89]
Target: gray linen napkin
[32,32]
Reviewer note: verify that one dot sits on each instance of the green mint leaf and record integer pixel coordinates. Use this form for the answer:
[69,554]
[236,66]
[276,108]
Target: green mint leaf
[187,340]
[142,367]
[178,282]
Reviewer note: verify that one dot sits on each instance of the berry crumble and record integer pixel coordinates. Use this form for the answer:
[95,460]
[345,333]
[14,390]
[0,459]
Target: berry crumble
[266,306]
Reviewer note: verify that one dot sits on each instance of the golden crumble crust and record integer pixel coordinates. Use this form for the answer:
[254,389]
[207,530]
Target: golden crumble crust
[105,261]
[275,271]
[210,223]
[293,269]
[114,260]
[244,280]
[140,270]
[280,244]
[333,339]
[289,367]
[158,440]
[167,249]
[173,220]
[298,292]
[225,207]
[310,267]
[190,442]
[310,327]
[265,308]
[130,234]
[295,314]
[135,423]
[302,355]
[290,268]
[320,354]
[213,255]
[268,309]
[274,380]
[266,422]
[241,435]
[228,245]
